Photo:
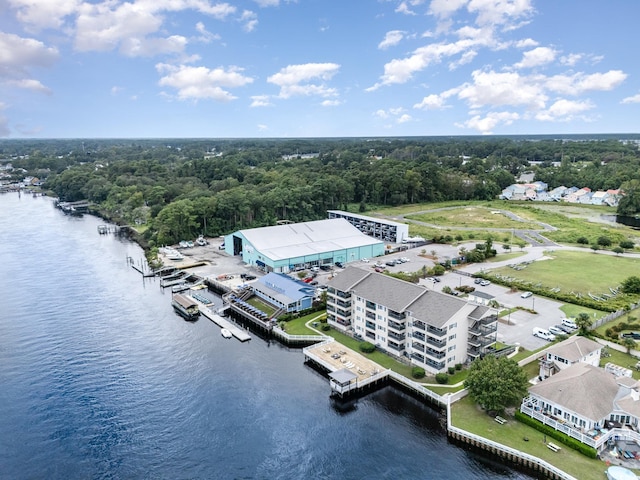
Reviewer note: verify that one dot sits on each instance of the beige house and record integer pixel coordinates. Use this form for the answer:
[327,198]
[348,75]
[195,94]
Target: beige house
[575,349]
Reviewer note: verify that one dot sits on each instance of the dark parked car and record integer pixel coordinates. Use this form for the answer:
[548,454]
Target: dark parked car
[634,335]
[477,280]
[339,265]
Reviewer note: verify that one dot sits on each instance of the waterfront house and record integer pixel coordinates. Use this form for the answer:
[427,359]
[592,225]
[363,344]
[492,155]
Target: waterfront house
[284,292]
[573,350]
[587,403]
[433,330]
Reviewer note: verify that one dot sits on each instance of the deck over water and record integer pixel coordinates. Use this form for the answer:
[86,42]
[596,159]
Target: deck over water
[237,332]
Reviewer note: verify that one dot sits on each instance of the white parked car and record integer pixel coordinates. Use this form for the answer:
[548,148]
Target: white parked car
[404,259]
[484,283]
[556,330]
[569,323]
[543,334]
[526,294]
[365,260]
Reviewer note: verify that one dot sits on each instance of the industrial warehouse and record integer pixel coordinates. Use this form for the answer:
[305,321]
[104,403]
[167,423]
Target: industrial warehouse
[286,248]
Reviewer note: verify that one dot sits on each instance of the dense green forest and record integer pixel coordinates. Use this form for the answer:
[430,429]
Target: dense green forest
[179,188]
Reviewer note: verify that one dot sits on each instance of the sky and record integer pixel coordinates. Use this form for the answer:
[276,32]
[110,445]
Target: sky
[317,68]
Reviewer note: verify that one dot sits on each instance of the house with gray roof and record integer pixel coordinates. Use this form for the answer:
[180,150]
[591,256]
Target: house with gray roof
[434,330]
[588,403]
[573,350]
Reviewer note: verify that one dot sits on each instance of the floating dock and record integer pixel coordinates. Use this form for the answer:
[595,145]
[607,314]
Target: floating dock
[237,332]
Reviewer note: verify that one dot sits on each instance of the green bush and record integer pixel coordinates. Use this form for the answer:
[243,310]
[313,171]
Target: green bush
[451,370]
[325,327]
[442,378]
[561,437]
[367,347]
[418,372]
[458,366]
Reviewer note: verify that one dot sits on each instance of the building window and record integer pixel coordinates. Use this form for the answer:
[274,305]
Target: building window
[451,337]
[453,325]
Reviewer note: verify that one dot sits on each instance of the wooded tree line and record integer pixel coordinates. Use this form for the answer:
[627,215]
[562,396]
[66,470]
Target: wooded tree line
[181,188]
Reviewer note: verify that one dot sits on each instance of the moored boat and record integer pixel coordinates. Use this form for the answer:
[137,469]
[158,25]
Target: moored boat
[185,306]
[226,333]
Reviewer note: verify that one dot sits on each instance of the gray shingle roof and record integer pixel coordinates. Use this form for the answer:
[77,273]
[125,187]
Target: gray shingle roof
[574,348]
[582,388]
[434,308]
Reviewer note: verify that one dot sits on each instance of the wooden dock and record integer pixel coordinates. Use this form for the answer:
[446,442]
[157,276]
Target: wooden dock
[237,332]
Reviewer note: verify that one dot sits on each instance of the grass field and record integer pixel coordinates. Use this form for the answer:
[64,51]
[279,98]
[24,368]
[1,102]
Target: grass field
[571,221]
[576,271]
[475,216]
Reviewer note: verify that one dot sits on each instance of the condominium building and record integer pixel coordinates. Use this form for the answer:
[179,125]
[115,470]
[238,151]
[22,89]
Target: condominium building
[434,330]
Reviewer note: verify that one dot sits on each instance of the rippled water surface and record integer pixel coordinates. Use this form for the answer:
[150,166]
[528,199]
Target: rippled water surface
[99,378]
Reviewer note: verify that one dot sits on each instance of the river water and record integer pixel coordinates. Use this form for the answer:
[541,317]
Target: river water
[100,379]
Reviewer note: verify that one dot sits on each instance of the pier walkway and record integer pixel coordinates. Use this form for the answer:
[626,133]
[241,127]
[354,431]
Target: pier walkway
[237,332]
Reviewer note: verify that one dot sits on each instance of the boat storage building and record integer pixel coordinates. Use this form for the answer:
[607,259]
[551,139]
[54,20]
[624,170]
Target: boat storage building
[285,248]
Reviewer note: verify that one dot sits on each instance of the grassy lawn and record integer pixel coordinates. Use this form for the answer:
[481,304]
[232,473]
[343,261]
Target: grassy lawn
[261,305]
[472,216]
[466,415]
[576,271]
[298,326]
[501,257]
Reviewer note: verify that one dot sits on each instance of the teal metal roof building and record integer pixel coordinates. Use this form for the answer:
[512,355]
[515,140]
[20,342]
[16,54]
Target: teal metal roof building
[284,248]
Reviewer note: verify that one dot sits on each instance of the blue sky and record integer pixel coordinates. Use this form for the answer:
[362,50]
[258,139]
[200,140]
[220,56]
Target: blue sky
[317,68]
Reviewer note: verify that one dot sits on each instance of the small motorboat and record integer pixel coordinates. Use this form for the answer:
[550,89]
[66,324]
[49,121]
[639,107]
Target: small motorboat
[226,333]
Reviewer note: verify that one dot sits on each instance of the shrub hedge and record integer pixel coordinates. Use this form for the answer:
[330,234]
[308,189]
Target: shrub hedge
[556,435]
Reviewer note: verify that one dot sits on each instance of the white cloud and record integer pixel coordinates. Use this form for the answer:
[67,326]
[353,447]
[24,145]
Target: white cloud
[402,70]
[499,89]
[526,43]
[194,83]
[43,14]
[465,58]
[391,39]
[445,8]
[132,26]
[580,83]
[431,102]
[537,57]
[404,9]
[330,103]
[633,99]
[260,101]
[205,35]
[564,109]
[571,59]
[500,12]
[30,84]
[262,127]
[293,79]
[250,20]
[18,56]
[486,124]
[404,118]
